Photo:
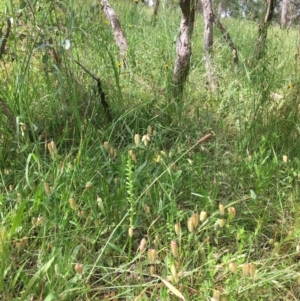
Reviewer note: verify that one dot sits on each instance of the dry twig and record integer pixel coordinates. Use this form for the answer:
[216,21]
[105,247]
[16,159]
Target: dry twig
[100,90]
[3,44]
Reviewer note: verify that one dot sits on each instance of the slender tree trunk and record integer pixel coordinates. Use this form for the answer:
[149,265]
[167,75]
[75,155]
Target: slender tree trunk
[5,38]
[117,30]
[220,9]
[263,30]
[155,11]
[208,16]
[298,48]
[284,11]
[183,46]
[228,39]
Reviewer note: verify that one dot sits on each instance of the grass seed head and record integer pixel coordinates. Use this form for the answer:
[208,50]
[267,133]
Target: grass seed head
[73,204]
[52,149]
[152,269]
[106,145]
[47,188]
[130,232]
[88,185]
[252,269]
[216,295]
[113,152]
[49,246]
[233,267]
[147,208]
[78,268]
[203,216]
[245,269]
[195,218]
[146,139]
[177,228]
[132,156]
[152,256]
[190,224]
[81,213]
[22,243]
[137,139]
[174,248]
[231,212]
[174,272]
[222,209]
[221,223]
[143,244]
[157,240]
[37,221]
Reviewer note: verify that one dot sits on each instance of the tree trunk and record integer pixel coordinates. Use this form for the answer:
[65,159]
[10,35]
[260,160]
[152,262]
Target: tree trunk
[183,46]
[220,9]
[263,30]
[117,30]
[228,39]
[5,38]
[284,11]
[155,11]
[208,16]
[298,48]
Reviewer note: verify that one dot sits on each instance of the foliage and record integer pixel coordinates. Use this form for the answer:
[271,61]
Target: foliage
[90,209]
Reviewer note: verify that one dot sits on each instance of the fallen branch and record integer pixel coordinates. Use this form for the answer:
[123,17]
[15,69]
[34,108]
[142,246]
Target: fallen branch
[100,90]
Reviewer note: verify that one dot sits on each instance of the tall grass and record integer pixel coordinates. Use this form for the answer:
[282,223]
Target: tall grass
[79,223]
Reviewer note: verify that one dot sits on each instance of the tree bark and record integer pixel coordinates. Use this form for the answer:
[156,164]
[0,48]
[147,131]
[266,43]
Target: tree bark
[298,48]
[183,46]
[208,16]
[284,11]
[117,30]
[6,36]
[263,30]
[220,9]
[156,6]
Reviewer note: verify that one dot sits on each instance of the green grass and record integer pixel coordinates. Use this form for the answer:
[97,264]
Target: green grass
[74,209]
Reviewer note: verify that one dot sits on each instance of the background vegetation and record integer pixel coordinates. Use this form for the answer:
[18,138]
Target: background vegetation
[88,212]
